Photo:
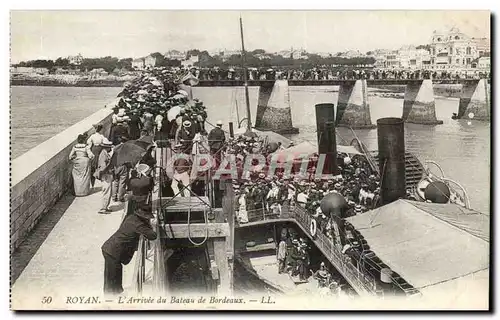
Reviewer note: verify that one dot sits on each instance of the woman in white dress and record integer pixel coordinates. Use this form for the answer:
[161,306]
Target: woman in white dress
[94,142]
[81,156]
[242,211]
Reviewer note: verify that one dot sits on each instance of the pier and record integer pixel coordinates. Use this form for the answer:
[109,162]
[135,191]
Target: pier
[353,107]
[56,238]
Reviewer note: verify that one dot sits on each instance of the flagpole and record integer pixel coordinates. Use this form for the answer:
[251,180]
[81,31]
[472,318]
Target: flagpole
[245,75]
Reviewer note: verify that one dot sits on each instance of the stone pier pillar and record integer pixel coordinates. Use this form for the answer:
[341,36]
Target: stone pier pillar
[419,105]
[353,109]
[273,108]
[475,99]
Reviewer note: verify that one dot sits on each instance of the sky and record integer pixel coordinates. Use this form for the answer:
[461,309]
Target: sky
[123,34]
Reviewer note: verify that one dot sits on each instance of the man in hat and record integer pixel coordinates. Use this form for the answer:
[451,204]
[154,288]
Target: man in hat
[281,255]
[186,136]
[134,125]
[104,173]
[141,185]
[216,140]
[295,257]
[119,249]
[322,275]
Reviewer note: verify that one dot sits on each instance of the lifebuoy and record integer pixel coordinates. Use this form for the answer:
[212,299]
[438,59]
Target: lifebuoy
[421,187]
[313,228]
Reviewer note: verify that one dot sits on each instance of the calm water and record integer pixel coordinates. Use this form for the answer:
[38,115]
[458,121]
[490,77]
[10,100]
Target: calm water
[39,113]
[463,150]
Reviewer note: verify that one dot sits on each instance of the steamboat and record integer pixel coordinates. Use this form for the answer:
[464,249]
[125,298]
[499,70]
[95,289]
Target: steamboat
[205,247]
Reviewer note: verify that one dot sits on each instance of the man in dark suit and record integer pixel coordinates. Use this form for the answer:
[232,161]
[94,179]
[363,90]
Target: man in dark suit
[119,249]
[140,184]
[216,139]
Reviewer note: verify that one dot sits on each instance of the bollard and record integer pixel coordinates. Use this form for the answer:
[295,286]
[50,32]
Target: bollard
[391,154]
[231,130]
[327,144]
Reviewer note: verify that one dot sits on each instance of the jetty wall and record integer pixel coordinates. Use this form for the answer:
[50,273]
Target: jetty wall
[41,176]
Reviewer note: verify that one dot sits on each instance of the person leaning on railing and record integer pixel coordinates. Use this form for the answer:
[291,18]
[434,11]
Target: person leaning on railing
[119,249]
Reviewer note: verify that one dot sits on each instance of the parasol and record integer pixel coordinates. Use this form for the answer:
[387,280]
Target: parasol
[173,112]
[128,152]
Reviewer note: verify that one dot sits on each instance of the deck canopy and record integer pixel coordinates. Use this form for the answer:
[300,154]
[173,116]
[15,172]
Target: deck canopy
[436,248]
[306,149]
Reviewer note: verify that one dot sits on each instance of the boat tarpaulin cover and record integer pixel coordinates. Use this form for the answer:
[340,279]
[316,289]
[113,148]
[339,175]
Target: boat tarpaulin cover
[427,244]
[467,293]
[270,135]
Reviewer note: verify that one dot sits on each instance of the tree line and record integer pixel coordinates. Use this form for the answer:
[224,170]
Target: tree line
[109,64]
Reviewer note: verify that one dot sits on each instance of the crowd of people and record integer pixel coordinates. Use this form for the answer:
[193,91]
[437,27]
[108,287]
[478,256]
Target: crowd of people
[159,110]
[332,73]
[294,254]
[260,194]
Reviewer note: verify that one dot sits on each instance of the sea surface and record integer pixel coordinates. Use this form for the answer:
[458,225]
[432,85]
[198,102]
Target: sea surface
[462,147]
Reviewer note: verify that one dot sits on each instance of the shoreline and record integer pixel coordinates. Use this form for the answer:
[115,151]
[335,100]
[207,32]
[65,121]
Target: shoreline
[59,83]
[444,90]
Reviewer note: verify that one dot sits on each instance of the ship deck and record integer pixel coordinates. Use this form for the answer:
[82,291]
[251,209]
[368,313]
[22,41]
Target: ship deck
[267,268]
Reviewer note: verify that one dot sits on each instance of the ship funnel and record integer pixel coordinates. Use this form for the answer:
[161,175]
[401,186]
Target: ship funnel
[391,153]
[327,142]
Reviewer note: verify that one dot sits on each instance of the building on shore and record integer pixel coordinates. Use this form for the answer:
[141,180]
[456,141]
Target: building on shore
[149,61]
[452,49]
[293,54]
[482,46]
[175,55]
[29,71]
[484,63]
[190,62]
[75,60]
[66,71]
[412,58]
[392,59]
[99,72]
[352,54]
[138,64]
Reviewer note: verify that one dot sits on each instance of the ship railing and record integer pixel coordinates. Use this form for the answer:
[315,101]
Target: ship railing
[148,265]
[362,282]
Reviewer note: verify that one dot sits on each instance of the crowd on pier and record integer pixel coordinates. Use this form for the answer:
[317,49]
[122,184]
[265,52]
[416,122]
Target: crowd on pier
[158,110]
[322,73]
